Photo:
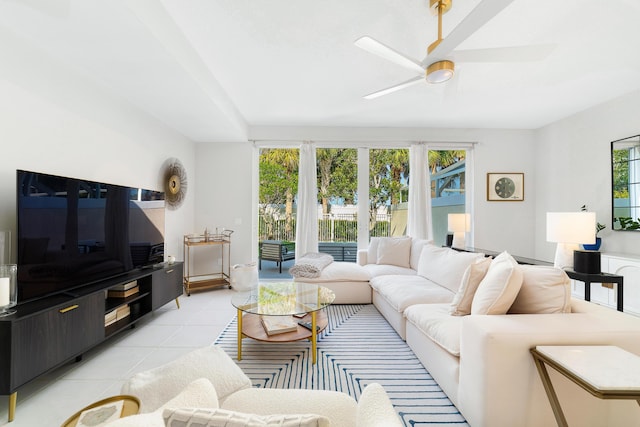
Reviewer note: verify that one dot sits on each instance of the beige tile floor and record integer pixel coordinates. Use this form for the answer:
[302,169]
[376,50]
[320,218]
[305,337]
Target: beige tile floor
[162,336]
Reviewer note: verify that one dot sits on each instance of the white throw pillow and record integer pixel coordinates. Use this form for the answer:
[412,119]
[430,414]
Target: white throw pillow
[499,288]
[416,251]
[461,305]
[226,418]
[544,290]
[394,251]
[445,266]
[372,250]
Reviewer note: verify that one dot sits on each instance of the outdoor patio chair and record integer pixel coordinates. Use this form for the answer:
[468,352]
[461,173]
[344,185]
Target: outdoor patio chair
[276,250]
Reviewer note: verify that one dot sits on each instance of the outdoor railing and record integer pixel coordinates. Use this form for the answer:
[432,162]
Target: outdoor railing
[334,228]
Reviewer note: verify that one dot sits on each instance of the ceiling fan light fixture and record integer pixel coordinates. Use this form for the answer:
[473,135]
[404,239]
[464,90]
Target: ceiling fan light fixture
[440,71]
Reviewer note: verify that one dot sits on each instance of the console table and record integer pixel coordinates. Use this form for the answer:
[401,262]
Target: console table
[589,278]
[519,259]
[218,275]
[607,372]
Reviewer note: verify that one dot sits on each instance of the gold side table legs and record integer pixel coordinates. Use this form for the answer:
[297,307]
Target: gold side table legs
[177,303]
[314,337]
[13,400]
[240,336]
[551,393]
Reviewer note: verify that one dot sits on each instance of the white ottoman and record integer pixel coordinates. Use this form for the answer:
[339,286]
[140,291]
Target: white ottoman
[348,280]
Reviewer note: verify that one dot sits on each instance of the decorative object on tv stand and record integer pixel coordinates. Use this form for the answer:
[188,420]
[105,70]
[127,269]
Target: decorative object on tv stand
[459,224]
[8,290]
[569,230]
[175,183]
[505,186]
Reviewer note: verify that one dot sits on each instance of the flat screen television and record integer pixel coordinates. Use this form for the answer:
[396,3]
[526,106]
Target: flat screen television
[74,232]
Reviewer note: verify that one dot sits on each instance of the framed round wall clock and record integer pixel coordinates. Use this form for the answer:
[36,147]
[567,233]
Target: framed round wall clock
[505,187]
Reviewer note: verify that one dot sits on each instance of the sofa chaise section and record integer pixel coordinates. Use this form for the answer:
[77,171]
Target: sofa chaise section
[483,363]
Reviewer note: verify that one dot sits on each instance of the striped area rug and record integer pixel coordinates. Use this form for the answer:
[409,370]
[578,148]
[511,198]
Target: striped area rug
[358,347]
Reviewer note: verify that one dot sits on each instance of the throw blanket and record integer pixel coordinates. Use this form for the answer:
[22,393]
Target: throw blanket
[310,265]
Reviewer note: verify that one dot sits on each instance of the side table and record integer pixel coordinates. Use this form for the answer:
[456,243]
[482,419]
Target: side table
[605,371]
[130,406]
[589,278]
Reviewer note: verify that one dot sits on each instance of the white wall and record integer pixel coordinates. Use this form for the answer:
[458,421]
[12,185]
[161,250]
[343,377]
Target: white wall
[66,127]
[573,161]
[224,200]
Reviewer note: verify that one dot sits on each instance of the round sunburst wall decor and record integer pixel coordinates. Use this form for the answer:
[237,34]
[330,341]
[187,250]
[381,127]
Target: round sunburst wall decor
[175,183]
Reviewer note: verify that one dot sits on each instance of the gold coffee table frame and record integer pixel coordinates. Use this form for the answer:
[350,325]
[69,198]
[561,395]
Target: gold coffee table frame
[282,299]
[605,371]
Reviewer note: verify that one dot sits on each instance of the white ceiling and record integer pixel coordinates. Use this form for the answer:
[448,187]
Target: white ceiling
[212,69]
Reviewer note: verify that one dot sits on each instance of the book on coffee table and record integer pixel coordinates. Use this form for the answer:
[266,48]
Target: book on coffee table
[278,324]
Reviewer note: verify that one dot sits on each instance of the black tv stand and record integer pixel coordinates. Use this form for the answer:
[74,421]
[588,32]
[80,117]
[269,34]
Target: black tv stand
[46,333]
[70,294]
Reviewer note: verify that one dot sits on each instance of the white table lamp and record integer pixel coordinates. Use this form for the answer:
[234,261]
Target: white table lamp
[569,230]
[459,224]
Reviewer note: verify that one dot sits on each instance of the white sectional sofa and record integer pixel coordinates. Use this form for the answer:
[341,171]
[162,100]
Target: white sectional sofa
[477,345]
[471,320]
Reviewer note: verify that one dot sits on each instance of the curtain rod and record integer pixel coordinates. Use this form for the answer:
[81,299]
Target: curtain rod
[361,143]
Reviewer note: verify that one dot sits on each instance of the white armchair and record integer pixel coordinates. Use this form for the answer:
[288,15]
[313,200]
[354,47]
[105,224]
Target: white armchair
[208,379]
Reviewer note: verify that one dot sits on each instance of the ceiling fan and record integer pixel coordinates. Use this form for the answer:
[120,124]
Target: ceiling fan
[437,66]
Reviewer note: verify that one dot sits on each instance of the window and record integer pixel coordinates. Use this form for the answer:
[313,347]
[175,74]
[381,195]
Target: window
[448,185]
[277,193]
[388,191]
[337,174]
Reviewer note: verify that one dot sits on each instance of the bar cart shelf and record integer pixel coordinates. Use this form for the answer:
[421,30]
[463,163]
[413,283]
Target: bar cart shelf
[216,274]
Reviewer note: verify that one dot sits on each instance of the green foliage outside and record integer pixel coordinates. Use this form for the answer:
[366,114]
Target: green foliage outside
[620,174]
[337,181]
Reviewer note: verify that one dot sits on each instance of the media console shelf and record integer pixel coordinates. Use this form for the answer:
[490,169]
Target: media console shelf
[47,333]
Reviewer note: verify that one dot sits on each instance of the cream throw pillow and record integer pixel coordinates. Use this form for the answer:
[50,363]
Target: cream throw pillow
[394,251]
[445,266]
[499,288]
[416,251]
[226,418]
[461,305]
[372,250]
[544,290]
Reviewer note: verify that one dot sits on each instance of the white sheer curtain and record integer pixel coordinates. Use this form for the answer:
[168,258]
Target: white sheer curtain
[469,191]
[419,205]
[307,215]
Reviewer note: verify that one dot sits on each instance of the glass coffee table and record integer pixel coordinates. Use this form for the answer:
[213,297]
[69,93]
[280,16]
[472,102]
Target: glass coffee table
[302,302]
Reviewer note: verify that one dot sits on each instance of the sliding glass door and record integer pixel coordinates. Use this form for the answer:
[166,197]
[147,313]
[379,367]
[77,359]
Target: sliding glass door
[339,179]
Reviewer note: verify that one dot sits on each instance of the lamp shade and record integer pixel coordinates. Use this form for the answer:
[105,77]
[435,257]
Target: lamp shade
[571,227]
[459,222]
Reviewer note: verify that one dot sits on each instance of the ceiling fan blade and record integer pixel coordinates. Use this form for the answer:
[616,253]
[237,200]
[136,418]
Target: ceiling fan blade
[483,13]
[505,54]
[388,53]
[395,88]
